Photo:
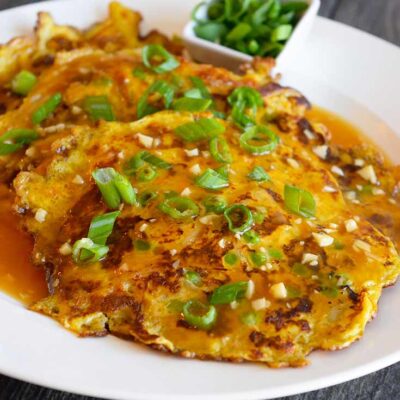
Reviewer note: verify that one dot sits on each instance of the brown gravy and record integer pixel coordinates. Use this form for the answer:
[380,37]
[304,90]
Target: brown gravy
[23,281]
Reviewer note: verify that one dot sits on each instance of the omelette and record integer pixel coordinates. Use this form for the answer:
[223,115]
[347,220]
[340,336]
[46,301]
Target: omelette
[186,207]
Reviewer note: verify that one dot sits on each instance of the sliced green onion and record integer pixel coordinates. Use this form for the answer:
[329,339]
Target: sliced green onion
[239,32]
[146,197]
[275,254]
[258,258]
[154,160]
[101,227]
[199,315]
[85,251]
[259,140]
[250,318]
[15,139]
[211,31]
[219,150]
[191,104]
[202,129]
[223,171]
[142,245]
[114,187]
[259,174]
[139,160]
[338,245]
[251,237]
[281,33]
[98,107]
[199,84]
[225,294]
[193,277]
[301,270]
[147,174]
[164,90]
[239,217]
[330,291]
[23,83]
[292,292]
[47,108]
[212,180]
[231,258]
[157,52]
[175,306]
[258,217]
[299,201]
[179,207]
[242,99]
[215,204]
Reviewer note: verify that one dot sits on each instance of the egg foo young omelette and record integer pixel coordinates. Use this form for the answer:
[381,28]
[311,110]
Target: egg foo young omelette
[185,207]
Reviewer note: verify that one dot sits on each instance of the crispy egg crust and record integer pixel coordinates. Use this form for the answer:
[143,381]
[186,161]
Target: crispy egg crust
[136,294]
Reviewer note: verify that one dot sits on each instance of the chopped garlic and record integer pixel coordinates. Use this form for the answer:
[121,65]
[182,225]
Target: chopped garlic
[78,180]
[186,192]
[76,110]
[195,169]
[351,195]
[173,252]
[143,227]
[279,291]
[260,304]
[358,162]
[234,305]
[378,191]
[321,151]
[333,226]
[368,173]
[323,240]
[309,134]
[337,170]
[361,245]
[192,152]
[314,263]
[293,163]
[30,152]
[65,249]
[250,289]
[308,258]
[350,225]
[41,215]
[329,189]
[175,264]
[146,141]
[221,243]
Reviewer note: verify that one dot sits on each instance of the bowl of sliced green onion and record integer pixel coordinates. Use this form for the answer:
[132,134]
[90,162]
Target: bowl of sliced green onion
[228,33]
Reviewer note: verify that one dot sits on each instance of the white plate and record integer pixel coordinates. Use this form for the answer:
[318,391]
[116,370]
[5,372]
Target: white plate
[341,68]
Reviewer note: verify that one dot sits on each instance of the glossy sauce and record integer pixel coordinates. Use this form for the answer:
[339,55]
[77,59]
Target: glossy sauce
[23,281]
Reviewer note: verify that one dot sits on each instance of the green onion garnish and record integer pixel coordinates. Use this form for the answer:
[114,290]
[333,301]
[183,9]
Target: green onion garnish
[212,180]
[98,107]
[138,161]
[199,85]
[275,254]
[193,277]
[179,207]
[46,109]
[15,139]
[231,258]
[159,90]
[164,61]
[249,26]
[299,201]
[114,187]
[258,217]
[243,99]
[146,174]
[101,227]
[191,104]
[85,251]
[259,174]
[258,258]
[215,204]
[146,197]
[259,140]
[204,128]
[93,248]
[139,73]
[23,82]
[225,294]
[250,318]
[142,245]
[239,217]
[219,150]
[251,237]
[199,315]
[301,270]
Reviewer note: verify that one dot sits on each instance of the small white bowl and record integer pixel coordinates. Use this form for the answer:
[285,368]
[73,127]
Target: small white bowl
[208,52]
